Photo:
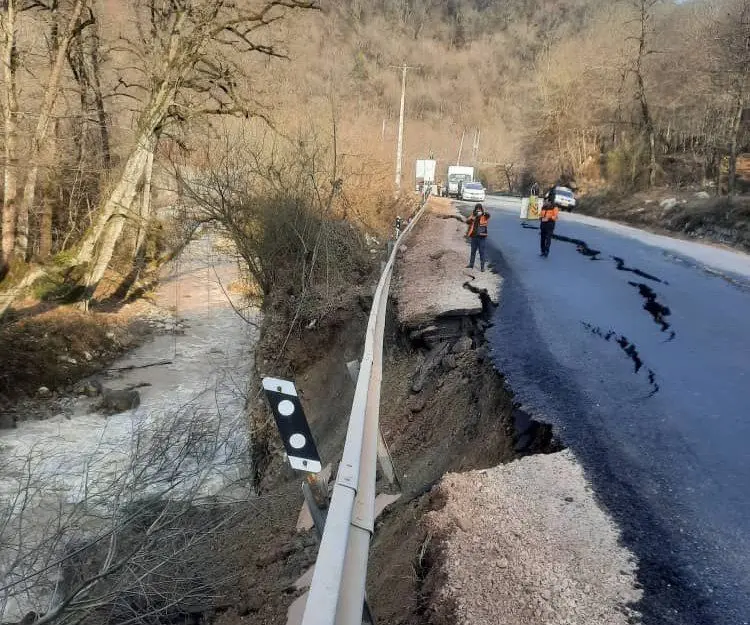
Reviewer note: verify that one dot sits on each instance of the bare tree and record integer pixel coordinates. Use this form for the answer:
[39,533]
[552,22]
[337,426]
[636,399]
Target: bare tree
[10,111]
[732,72]
[280,201]
[196,70]
[84,59]
[188,59]
[51,91]
[136,532]
[644,20]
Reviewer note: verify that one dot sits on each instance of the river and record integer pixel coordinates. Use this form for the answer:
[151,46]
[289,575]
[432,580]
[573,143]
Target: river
[191,415]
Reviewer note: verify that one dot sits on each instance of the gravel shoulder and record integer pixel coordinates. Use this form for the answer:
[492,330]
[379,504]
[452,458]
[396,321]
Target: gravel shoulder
[525,543]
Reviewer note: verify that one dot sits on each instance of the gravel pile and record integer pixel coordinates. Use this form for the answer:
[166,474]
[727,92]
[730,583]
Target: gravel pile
[525,543]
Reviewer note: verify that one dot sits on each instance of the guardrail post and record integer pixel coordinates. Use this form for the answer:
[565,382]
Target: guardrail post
[319,522]
[384,455]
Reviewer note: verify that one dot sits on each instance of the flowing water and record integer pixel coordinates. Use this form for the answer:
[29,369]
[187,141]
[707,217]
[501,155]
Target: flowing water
[191,414]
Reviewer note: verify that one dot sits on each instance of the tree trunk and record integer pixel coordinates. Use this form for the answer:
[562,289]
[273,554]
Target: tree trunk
[101,113]
[10,107]
[736,125]
[120,199]
[84,60]
[648,121]
[37,143]
[139,251]
[45,228]
[9,296]
[105,233]
[652,158]
[145,210]
[109,239]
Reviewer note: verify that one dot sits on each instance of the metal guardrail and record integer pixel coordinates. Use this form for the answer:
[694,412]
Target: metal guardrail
[337,591]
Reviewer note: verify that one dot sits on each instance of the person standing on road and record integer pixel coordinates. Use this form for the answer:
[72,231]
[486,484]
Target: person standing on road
[548,217]
[477,235]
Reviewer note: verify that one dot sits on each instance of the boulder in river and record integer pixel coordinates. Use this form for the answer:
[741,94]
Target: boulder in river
[114,402]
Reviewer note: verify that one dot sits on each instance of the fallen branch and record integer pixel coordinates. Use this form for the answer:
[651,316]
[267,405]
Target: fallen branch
[158,363]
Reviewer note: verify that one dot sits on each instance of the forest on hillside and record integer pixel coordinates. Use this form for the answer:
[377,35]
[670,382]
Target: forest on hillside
[103,101]
[626,93]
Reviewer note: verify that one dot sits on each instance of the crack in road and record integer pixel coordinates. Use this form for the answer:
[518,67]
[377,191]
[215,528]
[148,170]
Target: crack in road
[629,349]
[657,311]
[484,297]
[581,246]
[654,308]
[621,266]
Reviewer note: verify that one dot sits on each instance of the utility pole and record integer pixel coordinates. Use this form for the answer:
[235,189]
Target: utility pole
[400,147]
[475,148]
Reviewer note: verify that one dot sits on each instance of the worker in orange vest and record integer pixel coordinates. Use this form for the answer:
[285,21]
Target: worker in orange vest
[477,234]
[548,216]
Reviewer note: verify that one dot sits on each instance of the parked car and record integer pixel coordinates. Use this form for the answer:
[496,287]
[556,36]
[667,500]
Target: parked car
[472,192]
[565,198]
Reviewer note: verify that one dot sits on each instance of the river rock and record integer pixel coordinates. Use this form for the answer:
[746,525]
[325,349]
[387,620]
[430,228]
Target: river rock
[703,195]
[114,402]
[43,392]
[89,388]
[668,203]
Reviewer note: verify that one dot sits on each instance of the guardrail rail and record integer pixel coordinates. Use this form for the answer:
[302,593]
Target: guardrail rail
[337,591]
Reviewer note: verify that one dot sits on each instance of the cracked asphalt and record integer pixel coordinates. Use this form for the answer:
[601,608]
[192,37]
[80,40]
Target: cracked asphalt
[636,348]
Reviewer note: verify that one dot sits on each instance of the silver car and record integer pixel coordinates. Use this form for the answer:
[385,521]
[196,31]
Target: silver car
[472,192]
[565,198]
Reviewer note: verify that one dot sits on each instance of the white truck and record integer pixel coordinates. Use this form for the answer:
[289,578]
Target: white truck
[458,174]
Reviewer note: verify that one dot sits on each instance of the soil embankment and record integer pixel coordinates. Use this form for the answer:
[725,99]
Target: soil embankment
[444,409]
[693,215]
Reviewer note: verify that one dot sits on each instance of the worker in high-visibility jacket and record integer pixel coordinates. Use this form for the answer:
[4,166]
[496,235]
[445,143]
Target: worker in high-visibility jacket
[548,216]
[477,235]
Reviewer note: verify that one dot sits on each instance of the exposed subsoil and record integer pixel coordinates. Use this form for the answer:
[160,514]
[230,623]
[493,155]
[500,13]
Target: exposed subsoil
[445,409]
[461,418]
[446,412]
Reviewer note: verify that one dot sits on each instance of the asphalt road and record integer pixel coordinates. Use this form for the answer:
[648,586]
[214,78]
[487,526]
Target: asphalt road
[636,348]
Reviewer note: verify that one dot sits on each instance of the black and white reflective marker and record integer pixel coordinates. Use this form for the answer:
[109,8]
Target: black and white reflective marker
[292,424]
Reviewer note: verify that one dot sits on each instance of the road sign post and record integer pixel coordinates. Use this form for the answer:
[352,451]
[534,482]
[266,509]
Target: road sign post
[292,424]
